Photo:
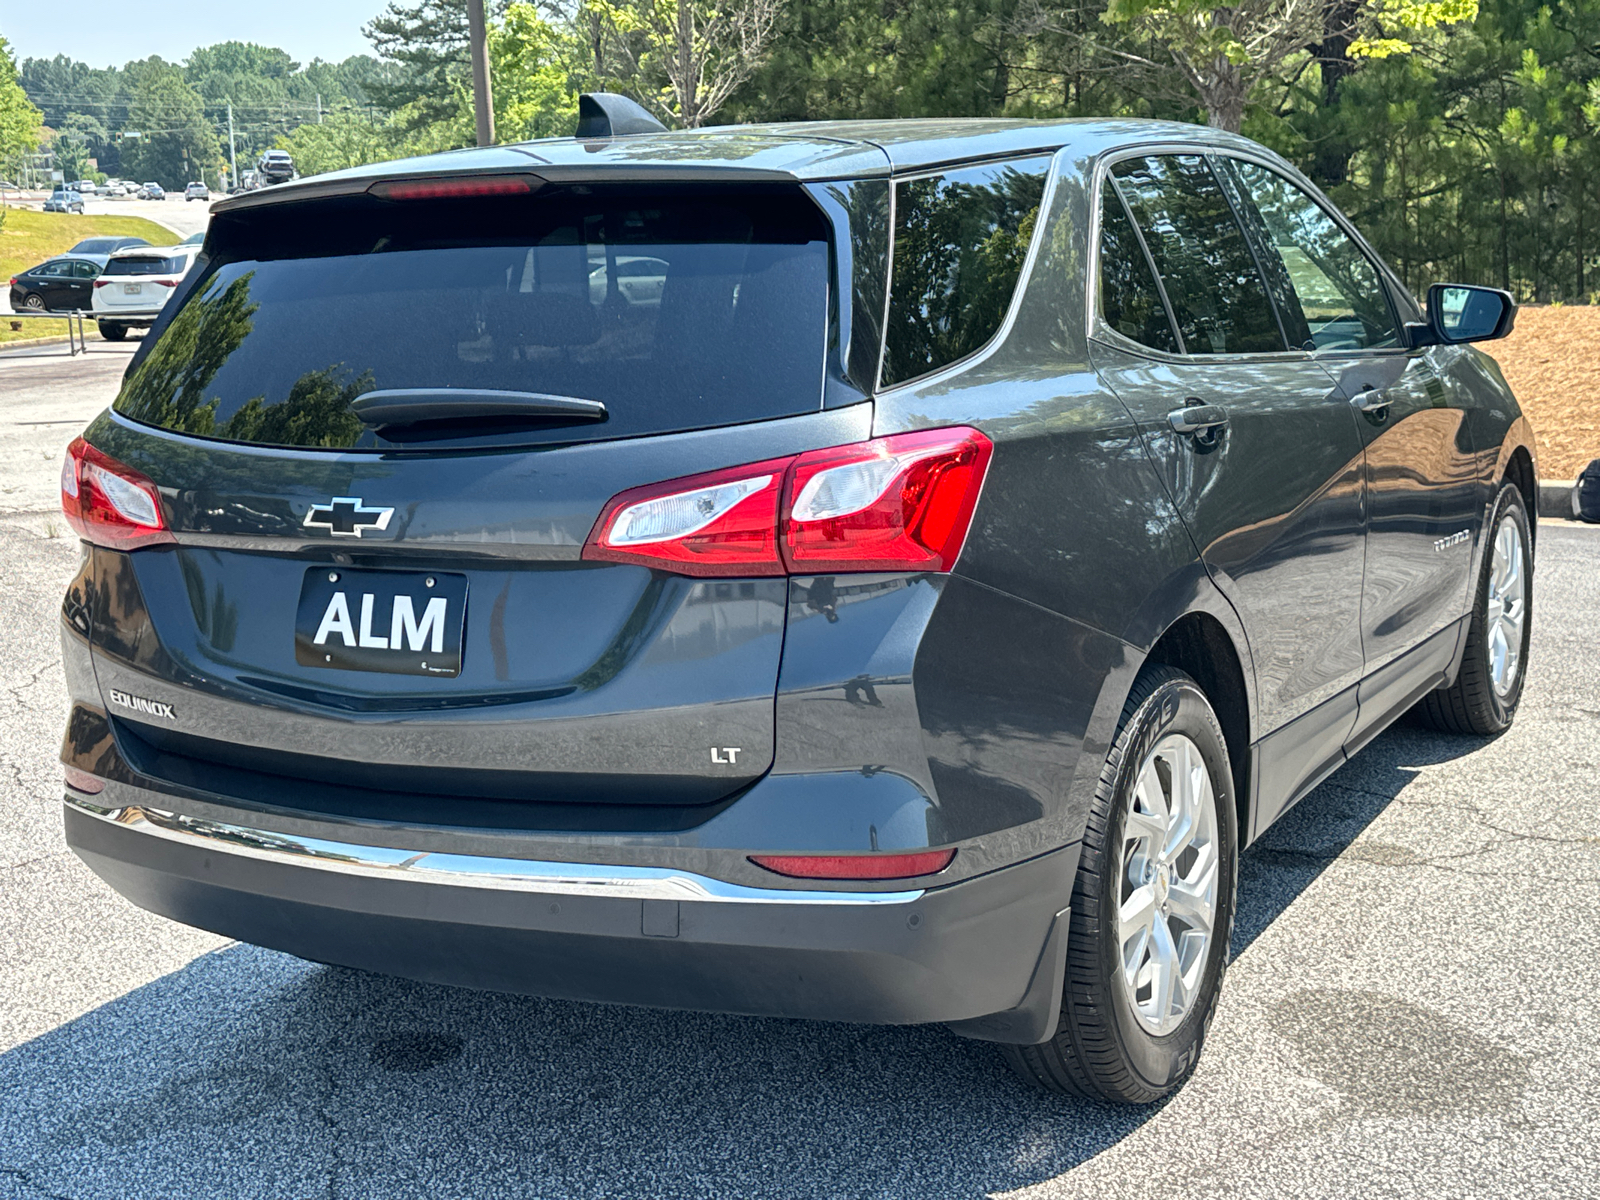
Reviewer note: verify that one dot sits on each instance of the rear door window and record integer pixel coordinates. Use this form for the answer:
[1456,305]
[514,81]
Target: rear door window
[1130,298]
[1217,294]
[960,239]
[675,310]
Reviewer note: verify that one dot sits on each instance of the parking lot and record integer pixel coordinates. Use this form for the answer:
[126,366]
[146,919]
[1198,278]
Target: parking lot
[1410,1010]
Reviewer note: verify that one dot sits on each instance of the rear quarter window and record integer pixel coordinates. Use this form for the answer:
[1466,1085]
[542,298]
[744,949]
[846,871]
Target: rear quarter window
[960,239]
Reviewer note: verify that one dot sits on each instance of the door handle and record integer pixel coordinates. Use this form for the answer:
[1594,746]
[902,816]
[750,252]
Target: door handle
[1371,399]
[1203,422]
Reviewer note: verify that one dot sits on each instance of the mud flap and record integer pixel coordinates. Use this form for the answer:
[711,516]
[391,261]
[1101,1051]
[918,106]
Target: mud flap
[1036,1018]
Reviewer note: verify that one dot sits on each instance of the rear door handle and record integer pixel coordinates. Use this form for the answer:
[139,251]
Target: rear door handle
[1371,399]
[1203,422]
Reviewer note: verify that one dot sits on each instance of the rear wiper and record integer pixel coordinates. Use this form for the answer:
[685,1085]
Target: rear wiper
[413,406]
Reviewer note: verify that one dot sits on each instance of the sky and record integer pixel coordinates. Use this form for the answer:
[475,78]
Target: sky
[107,33]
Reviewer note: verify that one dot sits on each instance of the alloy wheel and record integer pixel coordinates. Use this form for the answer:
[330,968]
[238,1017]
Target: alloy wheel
[1167,898]
[1507,608]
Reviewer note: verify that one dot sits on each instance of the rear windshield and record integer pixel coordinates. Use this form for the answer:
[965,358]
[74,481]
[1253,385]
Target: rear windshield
[145,265]
[676,311]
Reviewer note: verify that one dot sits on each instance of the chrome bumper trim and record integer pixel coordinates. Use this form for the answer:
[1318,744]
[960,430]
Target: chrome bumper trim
[462,870]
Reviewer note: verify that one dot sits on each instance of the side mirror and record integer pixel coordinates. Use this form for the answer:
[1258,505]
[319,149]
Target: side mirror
[1459,312]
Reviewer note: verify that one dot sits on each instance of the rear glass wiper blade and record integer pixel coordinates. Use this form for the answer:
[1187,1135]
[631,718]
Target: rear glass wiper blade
[411,406]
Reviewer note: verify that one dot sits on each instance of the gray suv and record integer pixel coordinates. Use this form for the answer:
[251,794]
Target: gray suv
[869,571]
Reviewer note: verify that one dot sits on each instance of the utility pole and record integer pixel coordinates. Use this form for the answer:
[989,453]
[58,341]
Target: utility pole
[319,108]
[482,102]
[233,153]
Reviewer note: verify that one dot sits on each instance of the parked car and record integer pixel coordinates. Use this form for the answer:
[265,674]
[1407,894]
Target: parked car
[197,191]
[867,625]
[106,245]
[151,191]
[84,187]
[61,284]
[194,239]
[117,188]
[136,285]
[62,201]
[273,167]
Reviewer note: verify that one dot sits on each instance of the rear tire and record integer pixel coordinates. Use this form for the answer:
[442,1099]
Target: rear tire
[34,302]
[112,332]
[1483,699]
[1112,1045]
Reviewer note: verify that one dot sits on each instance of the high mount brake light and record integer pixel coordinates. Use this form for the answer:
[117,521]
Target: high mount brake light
[108,503]
[897,503]
[461,187]
[856,866]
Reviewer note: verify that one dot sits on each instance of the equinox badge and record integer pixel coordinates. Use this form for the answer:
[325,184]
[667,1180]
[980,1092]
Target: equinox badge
[346,516]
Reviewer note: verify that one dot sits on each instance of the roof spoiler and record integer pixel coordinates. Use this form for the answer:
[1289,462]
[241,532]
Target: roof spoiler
[606,114]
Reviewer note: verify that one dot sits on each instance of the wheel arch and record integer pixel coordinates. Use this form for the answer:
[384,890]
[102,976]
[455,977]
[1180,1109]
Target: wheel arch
[1198,644]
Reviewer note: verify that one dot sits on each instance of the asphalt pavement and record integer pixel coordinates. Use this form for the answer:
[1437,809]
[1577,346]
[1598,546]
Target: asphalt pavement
[1411,1009]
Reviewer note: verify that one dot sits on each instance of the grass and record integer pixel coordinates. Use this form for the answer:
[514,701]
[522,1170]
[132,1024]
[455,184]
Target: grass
[28,238]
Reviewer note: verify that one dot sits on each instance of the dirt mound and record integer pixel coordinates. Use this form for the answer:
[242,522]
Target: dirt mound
[1552,362]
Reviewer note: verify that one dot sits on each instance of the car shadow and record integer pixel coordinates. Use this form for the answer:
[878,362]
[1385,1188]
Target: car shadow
[250,1073]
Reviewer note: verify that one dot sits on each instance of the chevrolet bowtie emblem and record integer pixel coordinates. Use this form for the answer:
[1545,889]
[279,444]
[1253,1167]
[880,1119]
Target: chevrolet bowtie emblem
[346,516]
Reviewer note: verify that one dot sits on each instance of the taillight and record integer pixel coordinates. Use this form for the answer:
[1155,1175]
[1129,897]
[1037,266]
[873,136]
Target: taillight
[82,781]
[108,503]
[100,283]
[856,866]
[167,282]
[897,503]
[719,523]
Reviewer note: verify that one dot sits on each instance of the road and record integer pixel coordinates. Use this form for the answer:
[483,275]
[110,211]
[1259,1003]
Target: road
[1410,1011]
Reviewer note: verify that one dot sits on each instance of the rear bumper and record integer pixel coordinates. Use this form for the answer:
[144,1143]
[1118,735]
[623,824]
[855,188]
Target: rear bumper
[985,954]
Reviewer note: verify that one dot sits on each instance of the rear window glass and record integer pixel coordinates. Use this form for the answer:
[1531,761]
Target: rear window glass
[959,243]
[676,311]
[144,265]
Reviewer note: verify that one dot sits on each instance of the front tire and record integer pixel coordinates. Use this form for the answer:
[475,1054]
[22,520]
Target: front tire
[1152,906]
[1483,699]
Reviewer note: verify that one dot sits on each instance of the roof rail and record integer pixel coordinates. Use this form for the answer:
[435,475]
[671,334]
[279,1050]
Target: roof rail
[606,114]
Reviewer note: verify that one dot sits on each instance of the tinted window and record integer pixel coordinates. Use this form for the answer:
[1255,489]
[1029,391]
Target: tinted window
[53,270]
[1130,302]
[1217,294]
[85,270]
[959,242]
[677,311]
[1332,283]
[144,265]
[98,245]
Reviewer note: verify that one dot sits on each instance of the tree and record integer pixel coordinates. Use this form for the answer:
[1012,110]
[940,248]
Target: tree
[429,41]
[177,141]
[685,58]
[19,119]
[1220,50]
[533,65]
[346,139]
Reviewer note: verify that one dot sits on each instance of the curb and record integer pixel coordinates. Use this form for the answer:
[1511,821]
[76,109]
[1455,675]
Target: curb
[1555,497]
[59,339]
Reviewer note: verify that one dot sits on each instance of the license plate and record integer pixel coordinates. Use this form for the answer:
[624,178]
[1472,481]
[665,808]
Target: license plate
[132,289]
[400,622]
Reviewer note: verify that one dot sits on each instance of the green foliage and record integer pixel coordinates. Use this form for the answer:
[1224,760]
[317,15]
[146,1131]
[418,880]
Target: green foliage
[346,139]
[19,119]
[533,64]
[177,141]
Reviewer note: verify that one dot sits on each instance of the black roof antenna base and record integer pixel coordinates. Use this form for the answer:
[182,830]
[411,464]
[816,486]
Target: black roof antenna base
[606,114]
